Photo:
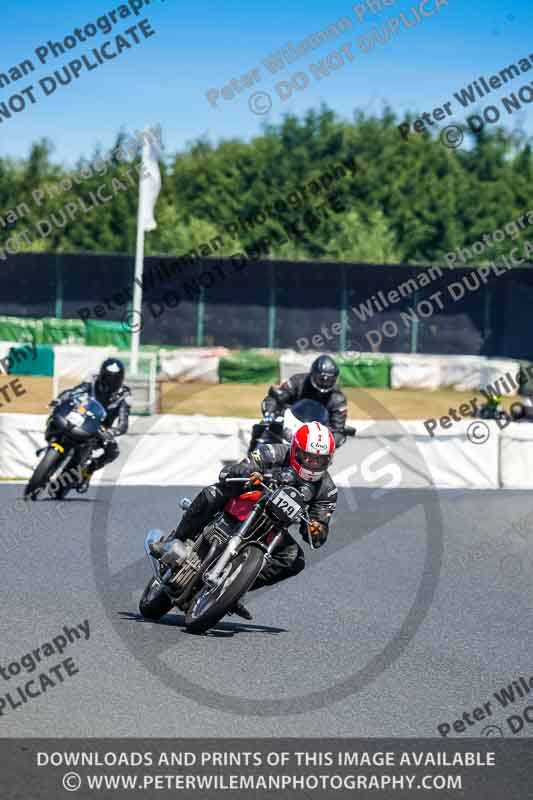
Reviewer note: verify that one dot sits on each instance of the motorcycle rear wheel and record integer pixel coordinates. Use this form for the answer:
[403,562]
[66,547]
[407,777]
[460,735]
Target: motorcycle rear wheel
[154,603]
[210,605]
[46,466]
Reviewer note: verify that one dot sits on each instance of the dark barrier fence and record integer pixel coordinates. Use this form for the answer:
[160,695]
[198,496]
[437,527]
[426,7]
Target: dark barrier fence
[255,303]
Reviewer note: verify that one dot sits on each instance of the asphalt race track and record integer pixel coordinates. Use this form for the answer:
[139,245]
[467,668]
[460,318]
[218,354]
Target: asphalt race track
[376,638]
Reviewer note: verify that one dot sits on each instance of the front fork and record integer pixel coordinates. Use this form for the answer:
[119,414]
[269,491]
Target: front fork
[273,544]
[212,576]
[63,465]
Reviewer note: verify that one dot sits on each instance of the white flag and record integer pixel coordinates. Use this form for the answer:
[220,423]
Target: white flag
[150,184]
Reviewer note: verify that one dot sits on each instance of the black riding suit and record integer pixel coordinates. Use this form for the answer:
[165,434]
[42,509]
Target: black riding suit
[299,387]
[288,558]
[117,406]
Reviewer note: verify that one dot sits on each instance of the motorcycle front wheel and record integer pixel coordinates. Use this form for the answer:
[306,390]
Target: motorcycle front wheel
[46,466]
[210,605]
[154,603]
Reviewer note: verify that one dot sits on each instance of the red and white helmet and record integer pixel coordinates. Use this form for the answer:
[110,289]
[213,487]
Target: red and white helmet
[312,450]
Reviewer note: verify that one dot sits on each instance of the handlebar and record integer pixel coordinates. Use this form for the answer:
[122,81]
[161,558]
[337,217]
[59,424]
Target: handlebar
[300,516]
[245,480]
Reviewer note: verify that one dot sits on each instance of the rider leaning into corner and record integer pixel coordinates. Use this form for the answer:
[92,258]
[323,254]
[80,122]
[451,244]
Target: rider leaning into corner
[108,388]
[320,385]
[304,463]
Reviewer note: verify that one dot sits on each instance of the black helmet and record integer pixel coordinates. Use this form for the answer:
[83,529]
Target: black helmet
[110,377]
[324,374]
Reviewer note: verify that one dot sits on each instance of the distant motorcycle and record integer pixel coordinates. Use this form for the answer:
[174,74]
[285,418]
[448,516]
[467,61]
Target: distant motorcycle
[522,410]
[281,429]
[208,576]
[492,409]
[73,432]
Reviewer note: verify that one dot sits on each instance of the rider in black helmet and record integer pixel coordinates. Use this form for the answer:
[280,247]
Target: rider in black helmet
[319,384]
[108,388]
[109,380]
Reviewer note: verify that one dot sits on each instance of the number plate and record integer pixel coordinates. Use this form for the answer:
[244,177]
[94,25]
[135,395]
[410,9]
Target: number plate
[286,504]
[75,418]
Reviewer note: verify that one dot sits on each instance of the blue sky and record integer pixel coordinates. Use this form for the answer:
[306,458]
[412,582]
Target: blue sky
[203,45]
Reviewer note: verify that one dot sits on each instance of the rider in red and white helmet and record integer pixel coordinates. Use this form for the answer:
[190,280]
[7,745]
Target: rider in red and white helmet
[303,463]
[312,450]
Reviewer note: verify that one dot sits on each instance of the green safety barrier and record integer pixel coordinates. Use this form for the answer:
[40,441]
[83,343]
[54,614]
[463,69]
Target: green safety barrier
[101,333]
[48,330]
[63,331]
[38,361]
[370,373]
[248,366]
[21,329]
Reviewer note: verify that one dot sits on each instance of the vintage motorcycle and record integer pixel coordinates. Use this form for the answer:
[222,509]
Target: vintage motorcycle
[73,432]
[206,577]
[281,429]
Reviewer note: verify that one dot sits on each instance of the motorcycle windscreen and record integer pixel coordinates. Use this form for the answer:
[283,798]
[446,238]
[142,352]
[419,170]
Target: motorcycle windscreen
[79,417]
[95,410]
[301,412]
[310,411]
[152,537]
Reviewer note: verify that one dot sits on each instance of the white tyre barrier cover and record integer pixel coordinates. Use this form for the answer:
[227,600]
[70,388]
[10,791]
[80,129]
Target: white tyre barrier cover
[415,372]
[516,456]
[174,450]
[461,373]
[189,365]
[456,460]
[79,361]
[21,435]
[158,451]
[390,455]
[495,373]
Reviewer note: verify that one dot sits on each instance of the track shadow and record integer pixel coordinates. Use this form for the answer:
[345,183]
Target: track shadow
[221,630]
[69,500]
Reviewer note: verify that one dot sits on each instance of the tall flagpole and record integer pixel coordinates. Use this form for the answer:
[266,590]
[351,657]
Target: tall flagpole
[136,315]
[149,188]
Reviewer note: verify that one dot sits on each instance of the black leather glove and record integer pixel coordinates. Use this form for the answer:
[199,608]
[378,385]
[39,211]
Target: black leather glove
[269,407]
[316,533]
[239,470]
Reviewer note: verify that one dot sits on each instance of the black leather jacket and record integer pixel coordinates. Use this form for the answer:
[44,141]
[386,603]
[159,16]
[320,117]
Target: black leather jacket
[299,387]
[117,406]
[321,496]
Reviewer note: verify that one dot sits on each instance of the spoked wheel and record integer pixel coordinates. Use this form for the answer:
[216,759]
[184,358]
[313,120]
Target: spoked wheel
[46,466]
[154,603]
[211,604]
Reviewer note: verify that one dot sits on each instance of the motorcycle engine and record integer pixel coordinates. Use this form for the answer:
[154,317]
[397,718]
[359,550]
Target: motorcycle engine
[220,530]
[183,556]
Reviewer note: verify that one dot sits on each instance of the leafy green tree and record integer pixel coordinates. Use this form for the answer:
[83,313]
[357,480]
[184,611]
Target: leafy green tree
[353,239]
[177,236]
[410,200]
